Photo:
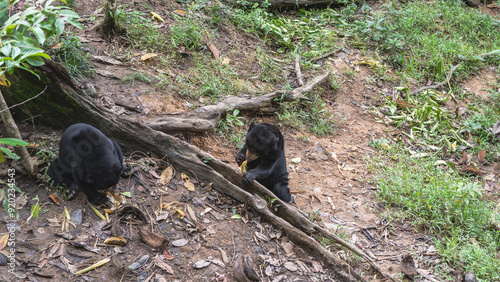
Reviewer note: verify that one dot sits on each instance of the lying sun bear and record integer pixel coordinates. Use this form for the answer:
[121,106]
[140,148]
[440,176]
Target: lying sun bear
[264,150]
[88,160]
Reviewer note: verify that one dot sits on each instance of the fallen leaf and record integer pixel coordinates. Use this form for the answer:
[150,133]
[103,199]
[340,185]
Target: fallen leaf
[54,198]
[152,239]
[214,50]
[296,160]
[148,56]
[187,182]
[3,241]
[158,17]
[58,45]
[482,156]
[465,158]
[119,241]
[180,12]
[166,176]
[167,255]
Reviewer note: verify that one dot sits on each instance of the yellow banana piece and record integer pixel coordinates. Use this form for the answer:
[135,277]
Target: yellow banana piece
[243,166]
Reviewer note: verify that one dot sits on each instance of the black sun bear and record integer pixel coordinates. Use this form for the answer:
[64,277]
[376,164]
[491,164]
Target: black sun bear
[264,151]
[88,160]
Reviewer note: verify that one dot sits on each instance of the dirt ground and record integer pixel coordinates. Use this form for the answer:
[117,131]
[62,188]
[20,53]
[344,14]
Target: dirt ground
[331,182]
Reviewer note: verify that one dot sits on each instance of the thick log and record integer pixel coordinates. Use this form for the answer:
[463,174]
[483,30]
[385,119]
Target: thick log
[184,157]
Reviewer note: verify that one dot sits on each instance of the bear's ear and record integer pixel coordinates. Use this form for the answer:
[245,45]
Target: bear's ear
[251,125]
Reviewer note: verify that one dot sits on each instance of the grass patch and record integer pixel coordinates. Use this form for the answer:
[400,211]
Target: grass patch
[424,40]
[448,206]
[311,115]
[144,33]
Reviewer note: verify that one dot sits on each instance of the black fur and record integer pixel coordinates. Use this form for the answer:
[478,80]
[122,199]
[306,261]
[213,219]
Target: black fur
[88,160]
[269,169]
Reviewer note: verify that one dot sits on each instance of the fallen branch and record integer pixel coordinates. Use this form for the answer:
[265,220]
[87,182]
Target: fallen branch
[206,118]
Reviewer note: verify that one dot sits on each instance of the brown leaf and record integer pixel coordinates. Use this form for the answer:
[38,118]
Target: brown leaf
[58,45]
[54,198]
[191,215]
[465,158]
[152,239]
[482,157]
[214,50]
[470,169]
[167,255]
[3,241]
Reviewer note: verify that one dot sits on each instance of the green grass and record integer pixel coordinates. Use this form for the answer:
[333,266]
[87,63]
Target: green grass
[71,55]
[424,40]
[310,115]
[144,33]
[449,206]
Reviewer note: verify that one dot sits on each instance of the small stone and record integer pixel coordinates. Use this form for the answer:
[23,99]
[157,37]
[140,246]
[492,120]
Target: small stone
[77,217]
[469,277]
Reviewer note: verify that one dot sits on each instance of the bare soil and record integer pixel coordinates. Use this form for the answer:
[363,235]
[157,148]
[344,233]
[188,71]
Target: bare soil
[331,182]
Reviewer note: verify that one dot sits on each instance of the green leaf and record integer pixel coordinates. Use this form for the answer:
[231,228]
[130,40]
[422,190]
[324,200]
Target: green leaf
[35,209]
[30,52]
[6,49]
[126,194]
[59,24]
[16,51]
[68,14]
[13,142]
[75,23]
[40,35]
[35,61]
[9,153]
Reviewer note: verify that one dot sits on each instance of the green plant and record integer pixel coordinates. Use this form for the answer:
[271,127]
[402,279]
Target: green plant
[22,33]
[70,53]
[228,125]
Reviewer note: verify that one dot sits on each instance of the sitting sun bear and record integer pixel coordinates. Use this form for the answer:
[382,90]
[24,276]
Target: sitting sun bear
[264,150]
[89,161]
